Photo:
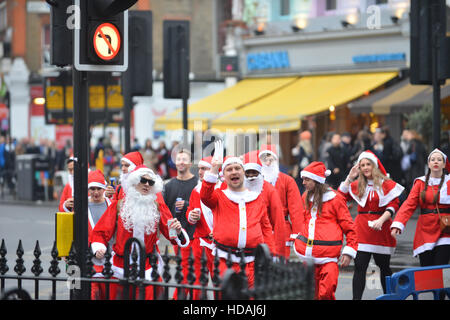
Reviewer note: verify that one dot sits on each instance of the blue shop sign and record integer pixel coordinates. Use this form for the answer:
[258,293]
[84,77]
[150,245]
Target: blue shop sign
[371,58]
[268,60]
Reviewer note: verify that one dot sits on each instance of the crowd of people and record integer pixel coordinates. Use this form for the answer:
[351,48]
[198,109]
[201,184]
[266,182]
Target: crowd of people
[233,203]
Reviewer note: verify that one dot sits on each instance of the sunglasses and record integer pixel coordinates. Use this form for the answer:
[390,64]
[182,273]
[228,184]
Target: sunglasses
[149,181]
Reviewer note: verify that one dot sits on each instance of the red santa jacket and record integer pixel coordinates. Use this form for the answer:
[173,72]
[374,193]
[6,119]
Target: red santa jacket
[275,212]
[111,223]
[428,233]
[371,206]
[240,219]
[204,226]
[66,194]
[321,237]
[292,202]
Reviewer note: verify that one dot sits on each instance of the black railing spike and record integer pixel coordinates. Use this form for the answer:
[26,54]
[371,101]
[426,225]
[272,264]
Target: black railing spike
[178,274]
[153,259]
[134,264]
[54,269]
[204,269]
[107,267]
[3,266]
[36,269]
[166,273]
[229,263]
[20,267]
[216,271]
[90,271]
[191,268]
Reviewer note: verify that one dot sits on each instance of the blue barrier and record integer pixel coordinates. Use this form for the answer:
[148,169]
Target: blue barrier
[414,281]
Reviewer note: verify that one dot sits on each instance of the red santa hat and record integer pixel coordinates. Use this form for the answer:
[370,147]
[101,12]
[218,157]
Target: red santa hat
[316,171]
[96,179]
[251,161]
[206,162]
[134,178]
[372,157]
[134,159]
[268,149]
[231,160]
[447,163]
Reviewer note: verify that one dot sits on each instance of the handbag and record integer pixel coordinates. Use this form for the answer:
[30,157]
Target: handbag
[444,221]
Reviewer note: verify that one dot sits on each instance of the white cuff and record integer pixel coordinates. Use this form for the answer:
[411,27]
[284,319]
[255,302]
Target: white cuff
[398,225]
[349,251]
[392,209]
[97,246]
[343,188]
[186,238]
[210,177]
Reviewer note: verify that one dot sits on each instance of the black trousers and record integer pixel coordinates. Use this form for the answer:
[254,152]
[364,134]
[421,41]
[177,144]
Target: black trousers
[361,263]
[438,256]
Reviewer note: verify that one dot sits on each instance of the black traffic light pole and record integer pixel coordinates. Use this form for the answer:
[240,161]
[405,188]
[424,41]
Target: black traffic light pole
[81,149]
[436,26]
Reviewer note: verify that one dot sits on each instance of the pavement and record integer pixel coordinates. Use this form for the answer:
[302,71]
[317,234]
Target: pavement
[401,259]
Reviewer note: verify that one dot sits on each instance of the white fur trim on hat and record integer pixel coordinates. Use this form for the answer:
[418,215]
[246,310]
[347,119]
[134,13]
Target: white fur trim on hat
[252,166]
[438,151]
[97,184]
[132,165]
[269,152]
[135,176]
[232,160]
[204,164]
[315,177]
[368,155]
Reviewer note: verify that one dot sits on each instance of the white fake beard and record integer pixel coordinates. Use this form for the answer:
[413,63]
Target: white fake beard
[140,212]
[254,184]
[271,172]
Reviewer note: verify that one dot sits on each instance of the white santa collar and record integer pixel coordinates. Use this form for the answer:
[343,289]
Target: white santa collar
[327,196]
[237,197]
[444,196]
[384,199]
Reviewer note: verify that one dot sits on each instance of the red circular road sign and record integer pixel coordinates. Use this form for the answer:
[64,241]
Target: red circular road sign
[106,41]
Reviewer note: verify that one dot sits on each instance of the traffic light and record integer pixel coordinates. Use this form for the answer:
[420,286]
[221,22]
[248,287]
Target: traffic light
[101,41]
[428,19]
[176,59]
[139,76]
[60,33]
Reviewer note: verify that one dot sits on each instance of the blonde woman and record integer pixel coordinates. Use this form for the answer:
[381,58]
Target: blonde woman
[377,199]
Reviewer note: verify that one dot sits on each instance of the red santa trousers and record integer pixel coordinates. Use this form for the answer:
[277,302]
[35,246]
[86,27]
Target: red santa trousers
[326,276]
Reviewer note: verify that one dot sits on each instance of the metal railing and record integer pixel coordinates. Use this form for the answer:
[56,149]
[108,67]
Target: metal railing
[280,279]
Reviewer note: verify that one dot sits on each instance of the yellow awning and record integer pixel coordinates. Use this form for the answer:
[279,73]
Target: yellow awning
[284,108]
[229,99]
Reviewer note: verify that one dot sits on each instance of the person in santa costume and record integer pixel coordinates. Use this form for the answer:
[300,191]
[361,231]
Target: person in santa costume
[431,193]
[97,205]
[128,163]
[239,216]
[200,215]
[66,200]
[377,197]
[254,181]
[140,214]
[291,199]
[320,240]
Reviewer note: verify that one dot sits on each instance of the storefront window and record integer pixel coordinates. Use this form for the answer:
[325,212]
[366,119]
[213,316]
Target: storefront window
[331,5]
[285,8]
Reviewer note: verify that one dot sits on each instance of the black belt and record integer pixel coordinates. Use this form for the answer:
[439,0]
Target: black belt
[236,251]
[425,211]
[371,212]
[311,242]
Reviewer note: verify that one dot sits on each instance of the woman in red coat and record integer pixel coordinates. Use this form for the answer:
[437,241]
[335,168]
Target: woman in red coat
[430,192]
[377,199]
[327,219]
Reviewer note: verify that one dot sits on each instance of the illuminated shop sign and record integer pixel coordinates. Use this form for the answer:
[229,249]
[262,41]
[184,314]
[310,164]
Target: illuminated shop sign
[384,57]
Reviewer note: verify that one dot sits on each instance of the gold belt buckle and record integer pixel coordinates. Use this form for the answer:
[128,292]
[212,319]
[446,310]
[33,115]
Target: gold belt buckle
[309,243]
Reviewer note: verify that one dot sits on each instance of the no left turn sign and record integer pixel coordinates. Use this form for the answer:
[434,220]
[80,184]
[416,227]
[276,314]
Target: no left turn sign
[106,41]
